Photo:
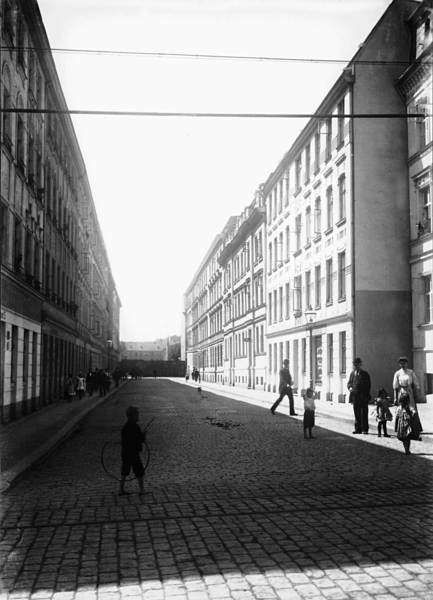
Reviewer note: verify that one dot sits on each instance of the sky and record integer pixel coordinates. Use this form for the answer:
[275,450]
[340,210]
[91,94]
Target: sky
[164,187]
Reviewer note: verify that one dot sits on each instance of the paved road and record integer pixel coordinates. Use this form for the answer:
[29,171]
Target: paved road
[239,506]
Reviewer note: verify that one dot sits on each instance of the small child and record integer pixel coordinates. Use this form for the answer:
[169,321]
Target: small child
[403,421]
[383,414]
[132,438]
[309,407]
[70,388]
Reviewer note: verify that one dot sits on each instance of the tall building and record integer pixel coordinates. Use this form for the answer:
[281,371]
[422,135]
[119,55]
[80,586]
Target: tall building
[244,315]
[343,246]
[416,87]
[60,307]
[334,205]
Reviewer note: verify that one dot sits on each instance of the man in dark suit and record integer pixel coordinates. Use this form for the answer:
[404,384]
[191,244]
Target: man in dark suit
[285,389]
[359,386]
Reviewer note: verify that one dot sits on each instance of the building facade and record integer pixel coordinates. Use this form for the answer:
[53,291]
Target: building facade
[244,309]
[416,87]
[60,308]
[337,273]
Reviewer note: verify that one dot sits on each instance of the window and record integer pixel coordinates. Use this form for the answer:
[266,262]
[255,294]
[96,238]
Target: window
[275,196]
[424,204]
[4,233]
[270,357]
[269,202]
[318,216]
[287,242]
[318,354]
[21,43]
[297,294]
[270,256]
[275,253]
[308,289]
[329,207]
[20,141]
[7,16]
[328,139]
[280,303]
[428,299]
[275,305]
[287,300]
[316,151]
[298,172]
[280,248]
[304,354]
[280,196]
[342,351]
[330,353]
[317,286]
[342,197]
[17,248]
[329,281]
[421,124]
[307,162]
[308,225]
[340,132]
[270,308]
[6,116]
[287,186]
[262,338]
[342,276]
[298,227]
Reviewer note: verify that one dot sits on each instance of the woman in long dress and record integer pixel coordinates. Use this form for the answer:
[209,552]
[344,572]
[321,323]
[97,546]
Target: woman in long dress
[404,382]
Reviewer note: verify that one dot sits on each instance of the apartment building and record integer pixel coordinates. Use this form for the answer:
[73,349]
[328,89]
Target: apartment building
[203,314]
[244,316]
[60,307]
[338,275]
[415,86]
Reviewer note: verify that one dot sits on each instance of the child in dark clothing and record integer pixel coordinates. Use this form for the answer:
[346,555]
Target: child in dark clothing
[132,445]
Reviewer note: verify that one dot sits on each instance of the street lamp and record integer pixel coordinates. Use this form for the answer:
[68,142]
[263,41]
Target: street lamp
[109,346]
[310,315]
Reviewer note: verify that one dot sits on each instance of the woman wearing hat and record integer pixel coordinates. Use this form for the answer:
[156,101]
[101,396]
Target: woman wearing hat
[405,381]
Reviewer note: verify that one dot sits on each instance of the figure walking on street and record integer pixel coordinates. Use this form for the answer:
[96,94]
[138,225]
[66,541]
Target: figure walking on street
[285,389]
[359,386]
[404,425]
[132,444]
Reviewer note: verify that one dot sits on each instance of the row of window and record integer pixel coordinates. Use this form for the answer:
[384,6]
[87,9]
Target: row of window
[278,351]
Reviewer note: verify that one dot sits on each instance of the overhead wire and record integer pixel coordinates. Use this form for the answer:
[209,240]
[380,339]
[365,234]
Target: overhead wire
[190,56]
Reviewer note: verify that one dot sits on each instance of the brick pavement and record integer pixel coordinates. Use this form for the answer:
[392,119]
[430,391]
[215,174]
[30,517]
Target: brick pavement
[239,506]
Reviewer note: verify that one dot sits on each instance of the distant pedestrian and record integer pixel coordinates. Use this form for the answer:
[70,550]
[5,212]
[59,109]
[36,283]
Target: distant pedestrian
[132,444]
[154,373]
[359,386]
[80,385]
[285,389]
[382,412]
[100,383]
[309,412]
[116,376]
[70,388]
[89,383]
[404,425]
[106,381]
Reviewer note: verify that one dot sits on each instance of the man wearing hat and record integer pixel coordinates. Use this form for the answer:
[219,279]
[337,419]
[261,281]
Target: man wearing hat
[285,389]
[359,386]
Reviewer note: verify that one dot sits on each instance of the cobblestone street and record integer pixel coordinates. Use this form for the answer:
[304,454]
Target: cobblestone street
[239,506]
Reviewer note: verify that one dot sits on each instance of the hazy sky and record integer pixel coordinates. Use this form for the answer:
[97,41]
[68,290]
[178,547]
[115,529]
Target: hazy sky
[165,187]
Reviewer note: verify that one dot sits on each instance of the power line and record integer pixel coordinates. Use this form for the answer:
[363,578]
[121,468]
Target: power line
[183,55]
[120,113]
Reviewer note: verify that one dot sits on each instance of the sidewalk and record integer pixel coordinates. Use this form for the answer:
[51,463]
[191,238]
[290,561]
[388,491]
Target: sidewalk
[27,441]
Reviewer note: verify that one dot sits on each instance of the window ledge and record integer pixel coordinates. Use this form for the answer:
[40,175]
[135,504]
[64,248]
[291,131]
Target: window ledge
[340,144]
[341,222]
[307,245]
[298,191]
[317,238]
[298,252]
[329,303]
[328,231]
[342,299]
